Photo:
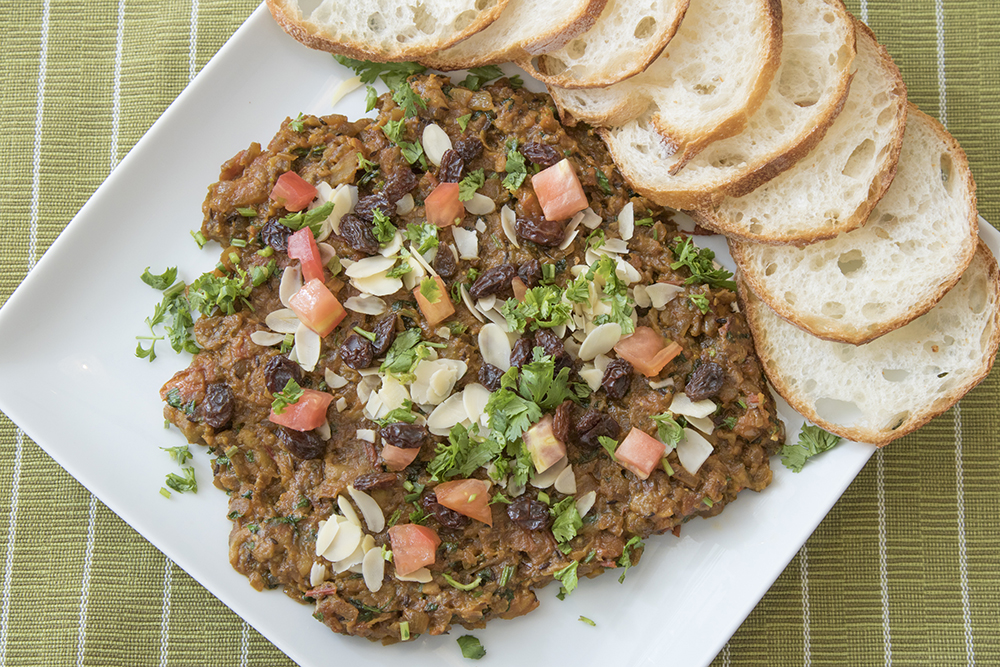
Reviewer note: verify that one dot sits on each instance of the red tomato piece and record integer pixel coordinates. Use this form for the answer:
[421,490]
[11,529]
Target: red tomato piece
[470,497]
[520,289]
[397,458]
[647,351]
[546,450]
[559,191]
[305,414]
[293,192]
[442,206]
[442,308]
[302,246]
[316,307]
[640,453]
[413,547]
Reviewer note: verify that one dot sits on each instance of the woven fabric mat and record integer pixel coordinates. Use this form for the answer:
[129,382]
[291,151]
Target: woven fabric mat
[902,570]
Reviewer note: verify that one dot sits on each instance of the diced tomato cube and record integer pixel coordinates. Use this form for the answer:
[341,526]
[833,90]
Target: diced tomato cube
[442,206]
[559,191]
[397,458]
[305,414]
[441,308]
[413,547]
[545,449]
[293,192]
[302,246]
[640,453]
[316,307]
[647,351]
[470,497]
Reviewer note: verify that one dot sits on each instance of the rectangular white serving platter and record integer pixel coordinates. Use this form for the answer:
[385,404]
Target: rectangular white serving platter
[74,322]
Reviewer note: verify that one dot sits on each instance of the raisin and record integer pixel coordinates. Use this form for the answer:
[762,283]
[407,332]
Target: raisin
[593,425]
[530,273]
[301,444]
[562,421]
[451,167]
[217,408]
[551,343]
[494,281]
[365,208]
[358,234]
[357,352]
[542,154]
[541,231]
[445,263]
[276,235]
[403,435]
[278,370]
[617,378]
[521,354]
[705,381]
[375,480]
[489,376]
[529,514]
[398,184]
[469,148]
[385,334]
[448,518]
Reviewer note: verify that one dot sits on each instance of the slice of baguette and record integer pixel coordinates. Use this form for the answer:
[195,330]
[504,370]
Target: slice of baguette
[834,188]
[511,37]
[696,97]
[883,390]
[809,90]
[915,246]
[624,40]
[383,30]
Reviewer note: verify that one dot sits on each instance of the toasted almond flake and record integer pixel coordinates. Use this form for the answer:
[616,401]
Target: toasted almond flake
[480,204]
[393,393]
[317,574]
[641,296]
[422,261]
[344,87]
[486,303]
[660,294]
[405,204]
[394,246]
[334,381]
[368,543]
[474,398]
[369,266]
[570,237]
[352,562]
[480,226]
[442,381]
[291,282]
[693,450]
[592,377]
[324,193]
[379,284]
[600,340]
[349,515]
[324,536]
[467,300]
[341,404]
[495,346]
[601,362]
[370,510]
[497,318]
[590,219]
[682,405]
[507,221]
[267,338]
[368,384]
[443,332]
[616,246]
[374,406]
[445,416]
[626,222]
[344,543]
[366,304]
[660,384]
[436,141]
[326,252]
[346,263]
[366,434]
[513,489]
[566,481]
[467,242]
[625,271]
[547,478]
[307,346]
[344,199]
[373,570]
[572,346]
[585,502]
[324,431]
[703,424]
[421,576]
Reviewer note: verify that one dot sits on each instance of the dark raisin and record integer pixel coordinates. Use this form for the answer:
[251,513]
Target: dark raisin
[551,343]
[489,376]
[529,514]
[301,444]
[705,381]
[617,378]
[593,425]
[385,334]
[562,421]
[445,263]
[358,234]
[403,435]
[357,352]
[530,273]
[275,235]
[521,354]
[541,231]
[451,167]
[375,480]
[542,154]
[217,408]
[494,281]
[398,184]
[448,518]
[366,206]
[278,370]
[469,148]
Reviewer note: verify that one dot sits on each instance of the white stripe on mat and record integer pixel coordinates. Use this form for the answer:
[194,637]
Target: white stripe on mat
[116,87]
[244,644]
[883,569]
[193,42]
[804,573]
[942,88]
[864,11]
[88,557]
[168,572]
[963,572]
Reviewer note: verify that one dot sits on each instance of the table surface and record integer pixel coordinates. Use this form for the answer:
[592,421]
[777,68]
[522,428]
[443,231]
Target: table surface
[903,569]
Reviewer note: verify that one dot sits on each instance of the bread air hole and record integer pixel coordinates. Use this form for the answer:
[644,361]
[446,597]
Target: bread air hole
[644,29]
[978,296]
[376,23]
[946,169]
[860,159]
[895,374]
[576,49]
[307,7]
[834,310]
[845,413]
[485,4]
[851,261]
[425,21]
[897,420]
[790,298]
[465,19]
[771,269]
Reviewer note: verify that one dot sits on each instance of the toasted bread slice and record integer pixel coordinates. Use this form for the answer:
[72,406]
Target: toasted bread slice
[883,390]
[621,43]
[809,90]
[384,30]
[695,99]
[834,188]
[916,245]
[511,37]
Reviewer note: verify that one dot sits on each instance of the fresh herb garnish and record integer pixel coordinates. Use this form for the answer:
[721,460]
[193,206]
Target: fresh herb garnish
[515,167]
[180,454]
[602,182]
[459,586]
[463,121]
[812,441]
[287,396]
[566,519]
[313,219]
[471,647]
[480,76]
[584,619]
[700,301]
[383,230]
[162,281]
[430,290]
[668,430]
[184,482]
[422,235]
[543,306]
[468,186]
[568,577]
[297,124]
[625,560]
[609,445]
[700,261]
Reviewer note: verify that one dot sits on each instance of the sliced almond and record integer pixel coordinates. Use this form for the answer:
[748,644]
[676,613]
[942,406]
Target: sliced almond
[585,502]
[600,340]
[324,536]
[373,570]
[626,222]
[324,431]
[370,510]
[347,539]
[393,393]
[592,376]
[703,424]
[326,253]
[317,574]
[467,242]
[369,266]
[291,282]
[365,434]
[421,576]
[341,404]
[480,226]
[352,561]
[267,338]
[446,415]
[344,199]
[625,271]
[334,381]
[660,294]
[660,384]
[405,204]
[566,481]
[467,300]
[569,238]
[486,303]
[379,284]
[507,221]
[601,362]
[544,480]
[590,219]
[480,204]
[495,346]
[474,398]
[344,87]
[424,264]
[616,246]
[693,450]
[682,405]
[641,296]
[366,304]
[307,347]
[436,141]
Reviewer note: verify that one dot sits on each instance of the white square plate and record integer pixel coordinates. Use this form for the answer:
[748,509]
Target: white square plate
[74,320]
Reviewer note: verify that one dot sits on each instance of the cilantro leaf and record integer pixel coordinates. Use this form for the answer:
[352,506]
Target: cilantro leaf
[625,560]
[566,519]
[468,186]
[162,281]
[184,482]
[471,647]
[462,587]
[180,454]
[543,305]
[480,76]
[383,230]
[668,430]
[603,183]
[408,100]
[568,577]
[287,396]
[313,219]
[515,167]
[700,301]
[463,121]
[430,290]
[404,354]
[812,441]
[423,236]
[700,262]
[392,74]
[609,444]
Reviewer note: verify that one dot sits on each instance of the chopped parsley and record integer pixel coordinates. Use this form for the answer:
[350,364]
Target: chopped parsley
[162,281]
[184,482]
[700,301]
[297,125]
[480,76]
[174,305]
[180,454]
[609,444]
[625,560]
[365,334]
[392,74]
[287,396]
[569,579]
[700,261]
[602,182]
[471,647]
[543,306]
[668,430]
[463,121]
[515,167]
[422,235]
[566,519]
[812,441]
[463,454]
[247,212]
[408,100]
[383,230]
[406,351]
[313,219]
[584,619]
[468,186]
[430,290]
